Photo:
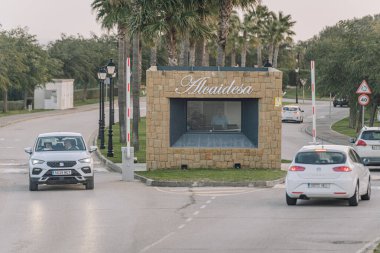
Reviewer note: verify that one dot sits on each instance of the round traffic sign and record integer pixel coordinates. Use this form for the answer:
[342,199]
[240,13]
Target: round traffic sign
[363,99]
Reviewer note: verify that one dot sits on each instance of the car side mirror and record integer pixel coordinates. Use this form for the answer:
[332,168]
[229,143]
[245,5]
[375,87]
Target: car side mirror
[28,150]
[93,149]
[352,140]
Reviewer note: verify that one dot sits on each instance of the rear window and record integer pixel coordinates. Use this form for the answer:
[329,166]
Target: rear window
[291,109]
[320,158]
[371,135]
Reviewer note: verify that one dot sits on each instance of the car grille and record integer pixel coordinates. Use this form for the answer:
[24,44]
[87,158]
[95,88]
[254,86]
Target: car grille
[73,173]
[61,164]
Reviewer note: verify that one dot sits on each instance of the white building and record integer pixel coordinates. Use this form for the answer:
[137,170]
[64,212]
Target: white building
[58,94]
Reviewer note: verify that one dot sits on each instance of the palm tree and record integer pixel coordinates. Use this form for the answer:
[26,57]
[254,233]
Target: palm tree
[113,13]
[259,17]
[278,29]
[234,30]
[225,10]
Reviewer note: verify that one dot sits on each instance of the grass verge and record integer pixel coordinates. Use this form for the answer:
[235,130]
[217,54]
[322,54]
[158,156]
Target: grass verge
[141,154]
[213,175]
[14,112]
[341,126]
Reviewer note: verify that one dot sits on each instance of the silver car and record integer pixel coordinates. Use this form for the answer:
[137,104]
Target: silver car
[60,158]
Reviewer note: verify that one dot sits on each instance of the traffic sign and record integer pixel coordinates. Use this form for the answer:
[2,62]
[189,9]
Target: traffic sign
[363,99]
[364,88]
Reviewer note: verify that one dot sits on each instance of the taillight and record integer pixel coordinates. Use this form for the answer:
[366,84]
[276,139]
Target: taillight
[296,168]
[361,143]
[342,169]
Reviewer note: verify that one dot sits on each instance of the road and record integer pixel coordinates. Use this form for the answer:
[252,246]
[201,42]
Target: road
[293,134]
[131,217]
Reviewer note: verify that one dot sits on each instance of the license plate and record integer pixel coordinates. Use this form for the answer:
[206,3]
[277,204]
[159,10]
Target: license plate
[61,172]
[312,185]
[376,147]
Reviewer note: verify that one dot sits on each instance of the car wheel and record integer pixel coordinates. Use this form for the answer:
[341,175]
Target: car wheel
[290,201]
[367,196]
[354,200]
[32,186]
[90,184]
[334,105]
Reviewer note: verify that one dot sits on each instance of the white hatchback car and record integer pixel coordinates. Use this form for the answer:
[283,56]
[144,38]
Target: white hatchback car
[60,158]
[367,145]
[292,113]
[327,171]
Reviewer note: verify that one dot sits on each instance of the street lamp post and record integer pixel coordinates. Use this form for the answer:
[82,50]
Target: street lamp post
[101,76]
[110,71]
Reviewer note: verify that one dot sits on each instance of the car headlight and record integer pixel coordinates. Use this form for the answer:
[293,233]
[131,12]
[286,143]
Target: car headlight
[37,161]
[85,160]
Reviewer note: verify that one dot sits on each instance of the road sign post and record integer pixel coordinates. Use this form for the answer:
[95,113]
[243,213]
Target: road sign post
[364,90]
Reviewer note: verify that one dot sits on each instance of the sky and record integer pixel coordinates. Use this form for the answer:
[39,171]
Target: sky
[48,19]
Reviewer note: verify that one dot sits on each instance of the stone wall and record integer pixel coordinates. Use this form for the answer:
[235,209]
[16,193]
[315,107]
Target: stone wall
[161,86]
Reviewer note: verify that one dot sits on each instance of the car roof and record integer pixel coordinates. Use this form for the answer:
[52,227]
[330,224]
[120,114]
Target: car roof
[341,148]
[370,128]
[59,134]
[291,106]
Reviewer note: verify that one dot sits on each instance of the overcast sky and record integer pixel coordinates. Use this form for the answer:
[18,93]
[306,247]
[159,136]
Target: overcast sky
[49,18]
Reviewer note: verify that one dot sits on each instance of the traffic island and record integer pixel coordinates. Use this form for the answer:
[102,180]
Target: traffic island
[211,177]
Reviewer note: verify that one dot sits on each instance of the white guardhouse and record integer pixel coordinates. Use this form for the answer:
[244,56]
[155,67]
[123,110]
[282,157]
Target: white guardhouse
[58,94]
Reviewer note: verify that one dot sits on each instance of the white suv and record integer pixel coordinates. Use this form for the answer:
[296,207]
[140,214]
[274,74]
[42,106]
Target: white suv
[367,145]
[60,158]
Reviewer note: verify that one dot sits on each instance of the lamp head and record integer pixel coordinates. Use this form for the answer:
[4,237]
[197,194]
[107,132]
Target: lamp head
[111,67]
[102,73]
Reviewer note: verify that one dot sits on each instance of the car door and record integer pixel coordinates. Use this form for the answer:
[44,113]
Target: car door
[363,172]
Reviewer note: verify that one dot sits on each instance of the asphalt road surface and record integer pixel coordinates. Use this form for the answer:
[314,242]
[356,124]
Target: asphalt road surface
[130,217]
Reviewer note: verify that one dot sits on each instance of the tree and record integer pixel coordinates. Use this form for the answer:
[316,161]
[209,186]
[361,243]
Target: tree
[225,10]
[113,13]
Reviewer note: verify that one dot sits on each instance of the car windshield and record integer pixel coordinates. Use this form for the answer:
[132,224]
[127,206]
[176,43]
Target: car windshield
[291,109]
[371,135]
[60,143]
[315,157]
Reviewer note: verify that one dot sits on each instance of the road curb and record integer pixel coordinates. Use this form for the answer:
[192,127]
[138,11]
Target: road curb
[258,184]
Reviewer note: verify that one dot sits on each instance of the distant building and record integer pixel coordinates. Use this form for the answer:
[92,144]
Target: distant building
[58,94]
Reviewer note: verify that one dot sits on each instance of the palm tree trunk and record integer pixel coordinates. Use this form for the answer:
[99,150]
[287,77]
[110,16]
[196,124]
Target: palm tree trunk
[121,83]
[140,73]
[183,56]
[172,51]
[233,55]
[244,49]
[225,10]
[206,59]
[192,52]
[271,51]
[259,55]
[153,54]
[275,56]
[135,92]
[199,52]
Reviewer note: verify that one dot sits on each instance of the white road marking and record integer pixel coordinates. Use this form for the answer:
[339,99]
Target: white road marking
[157,242]
[369,247]
[13,171]
[189,219]
[208,201]
[196,213]
[203,206]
